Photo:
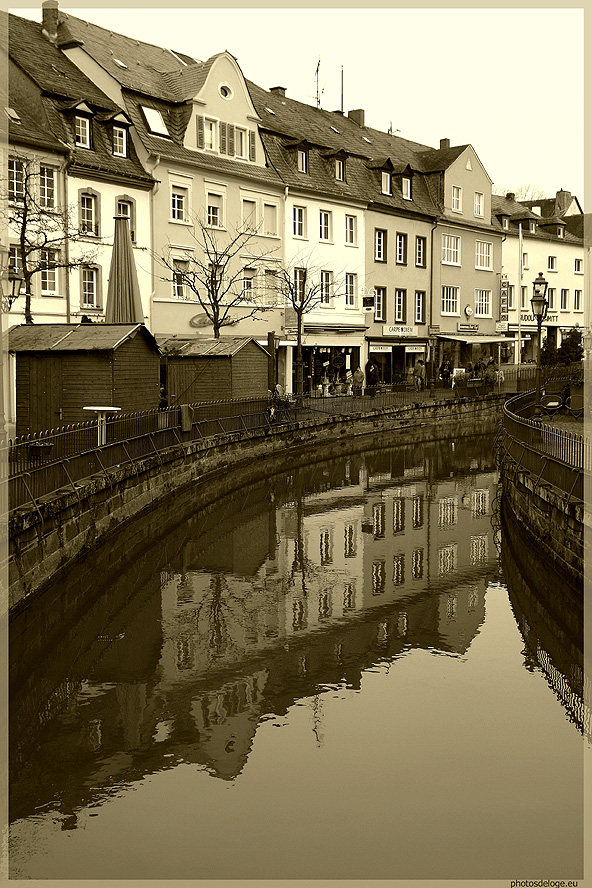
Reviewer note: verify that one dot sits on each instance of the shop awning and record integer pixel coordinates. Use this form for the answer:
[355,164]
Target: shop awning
[466,337]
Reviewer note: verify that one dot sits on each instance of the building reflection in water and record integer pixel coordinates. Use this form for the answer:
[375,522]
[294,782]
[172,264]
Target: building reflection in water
[269,596]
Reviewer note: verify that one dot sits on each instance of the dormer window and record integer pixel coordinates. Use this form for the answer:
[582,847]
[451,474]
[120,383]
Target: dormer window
[560,231]
[302,161]
[155,121]
[82,132]
[12,115]
[340,169]
[119,141]
[505,222]
[532,226]
[386,182]
[406,187]
[209,135]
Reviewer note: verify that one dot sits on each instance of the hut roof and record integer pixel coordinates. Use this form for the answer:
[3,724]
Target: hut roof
[74,337]
[225,347]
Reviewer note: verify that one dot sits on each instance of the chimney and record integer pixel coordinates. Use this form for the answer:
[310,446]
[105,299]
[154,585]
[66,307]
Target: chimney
[510,195]
[357,116]
[50,20]
[562,201]
[276,90]
[444,143]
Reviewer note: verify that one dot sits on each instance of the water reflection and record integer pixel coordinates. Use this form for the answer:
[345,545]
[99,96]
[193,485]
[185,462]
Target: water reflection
[271,598]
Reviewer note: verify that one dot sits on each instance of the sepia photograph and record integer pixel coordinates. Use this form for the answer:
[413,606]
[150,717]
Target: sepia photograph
[295,402]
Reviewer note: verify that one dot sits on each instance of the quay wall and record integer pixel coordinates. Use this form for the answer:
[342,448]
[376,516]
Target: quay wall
[46,541]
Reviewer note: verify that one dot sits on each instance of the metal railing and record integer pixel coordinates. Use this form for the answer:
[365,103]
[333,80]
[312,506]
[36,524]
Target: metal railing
[45,462]
[552,454]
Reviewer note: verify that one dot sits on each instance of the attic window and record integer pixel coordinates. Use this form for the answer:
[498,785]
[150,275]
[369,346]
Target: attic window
[505,222]
[12,114]
[532,227]
[366,140]
[469,166]
[560,231]
[334,129]
[82,132]
[406,187]
[225,91]
[155,121]
[270,111]
[119,62]
[386,182]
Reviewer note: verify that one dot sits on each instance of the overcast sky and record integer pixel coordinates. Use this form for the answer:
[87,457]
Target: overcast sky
[508,81]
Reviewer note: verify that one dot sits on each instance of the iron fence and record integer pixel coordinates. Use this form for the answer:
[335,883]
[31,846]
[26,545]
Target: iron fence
[555,455]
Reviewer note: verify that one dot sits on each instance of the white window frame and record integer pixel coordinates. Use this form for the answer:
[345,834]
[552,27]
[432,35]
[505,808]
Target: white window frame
[484,255]
[456,205]
[385,182]
[505,222]
[401,248]
[210,207]
[47,195]
[299,283]
[577,305]
[325,226]
[250,222]
[88,214]
[16,180]
[564,299]
[180,267]
[511,295]
[420,251]
[275,209]
[380,303]
[119,141]
[210,134]
[325,290]
[15,264]
[302,160]
[525,261]
[89,274]
[420,300]
[400,305]
[340,169]
[351,231]
[179,200]
[241,135]
[550,298]
[299,221]
[450,301]
[379,245]
[523,295]
[479,203]
[249,284]
[482,303]
[406,188]
[49,276]
[451,249]
[578,266]
[81,132]
[351,287]
[551,263]
[155,121]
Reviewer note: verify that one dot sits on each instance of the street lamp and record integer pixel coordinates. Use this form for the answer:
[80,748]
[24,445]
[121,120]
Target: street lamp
[540,305]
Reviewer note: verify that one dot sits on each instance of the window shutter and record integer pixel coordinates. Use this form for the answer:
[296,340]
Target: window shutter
[231,140]
[223,129]
[251,145]
[200,131]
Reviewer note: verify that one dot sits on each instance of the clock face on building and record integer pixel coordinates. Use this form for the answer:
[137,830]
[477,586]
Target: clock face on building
[468,311]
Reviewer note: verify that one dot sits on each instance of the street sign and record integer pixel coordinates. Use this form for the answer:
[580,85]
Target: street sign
[501,327]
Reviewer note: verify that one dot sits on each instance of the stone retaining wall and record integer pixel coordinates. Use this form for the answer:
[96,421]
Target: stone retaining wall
[48,539]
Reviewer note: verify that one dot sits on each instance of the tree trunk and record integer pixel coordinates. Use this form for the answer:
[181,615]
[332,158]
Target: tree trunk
[299,354]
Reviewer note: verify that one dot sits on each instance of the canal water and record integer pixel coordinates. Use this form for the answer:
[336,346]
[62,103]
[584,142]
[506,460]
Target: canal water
[339,673]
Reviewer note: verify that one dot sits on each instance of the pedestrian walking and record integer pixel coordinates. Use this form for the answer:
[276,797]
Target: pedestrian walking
[419,376]
[358,381]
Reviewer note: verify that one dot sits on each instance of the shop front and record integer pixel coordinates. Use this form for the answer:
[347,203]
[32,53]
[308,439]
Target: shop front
[396,352]
[461,348]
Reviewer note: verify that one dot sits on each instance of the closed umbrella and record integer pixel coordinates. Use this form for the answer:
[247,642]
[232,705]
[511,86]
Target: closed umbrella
[124,304]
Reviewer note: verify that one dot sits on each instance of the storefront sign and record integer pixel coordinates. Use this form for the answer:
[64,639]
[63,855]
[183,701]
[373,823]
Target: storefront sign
[501,327]
[398,331]
[550,319]
[467,328]
[415,349]
[380,348]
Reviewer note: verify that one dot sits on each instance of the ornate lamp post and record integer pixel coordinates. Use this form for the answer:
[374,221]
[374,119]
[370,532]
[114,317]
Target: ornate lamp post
[540,305]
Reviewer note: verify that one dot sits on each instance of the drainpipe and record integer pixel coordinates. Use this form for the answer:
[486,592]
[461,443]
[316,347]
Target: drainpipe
[434,226]
[68,163]
[153,192]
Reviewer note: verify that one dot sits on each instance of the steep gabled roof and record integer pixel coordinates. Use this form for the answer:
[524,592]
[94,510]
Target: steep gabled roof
[436,160]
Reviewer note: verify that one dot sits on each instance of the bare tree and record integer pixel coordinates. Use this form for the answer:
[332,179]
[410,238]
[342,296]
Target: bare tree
[529,191]
[222,272]
[43,230]
[304,287]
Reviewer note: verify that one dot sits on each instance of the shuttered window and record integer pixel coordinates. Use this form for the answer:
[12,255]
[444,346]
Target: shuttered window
[231,140]
[252,148]
[200,131]
[223,138]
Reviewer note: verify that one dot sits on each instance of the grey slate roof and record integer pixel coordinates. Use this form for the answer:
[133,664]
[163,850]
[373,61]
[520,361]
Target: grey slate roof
[74,337]
[48,82]
[519,213]
[224,347]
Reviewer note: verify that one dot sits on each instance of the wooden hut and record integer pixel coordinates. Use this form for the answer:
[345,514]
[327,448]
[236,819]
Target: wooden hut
[61,368]
[201,369]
